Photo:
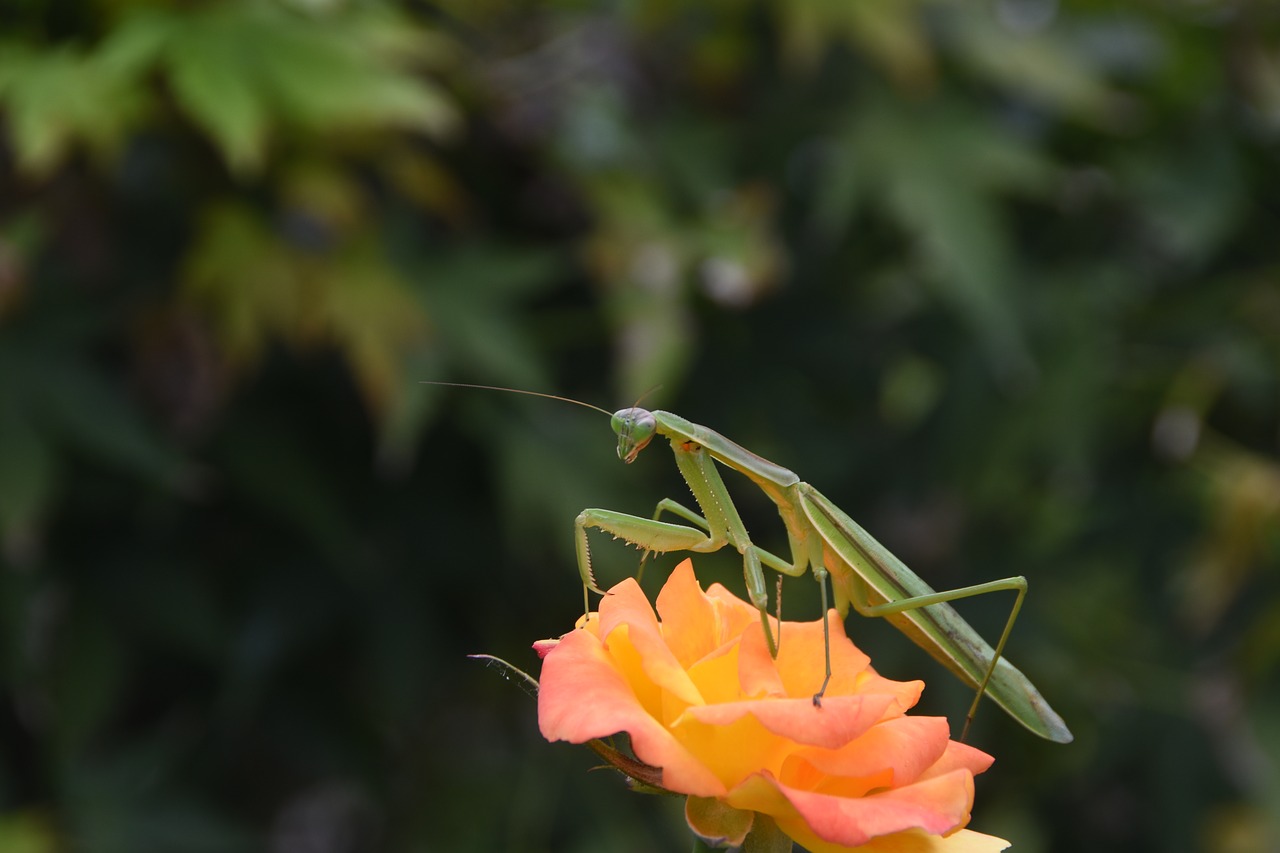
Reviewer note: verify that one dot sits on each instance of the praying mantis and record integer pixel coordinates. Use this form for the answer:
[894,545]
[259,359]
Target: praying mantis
[823,539]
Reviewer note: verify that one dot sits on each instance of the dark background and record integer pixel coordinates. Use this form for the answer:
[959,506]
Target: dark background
[1001,279]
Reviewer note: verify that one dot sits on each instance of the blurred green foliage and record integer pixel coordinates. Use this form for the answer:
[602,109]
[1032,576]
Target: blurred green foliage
[1000,278]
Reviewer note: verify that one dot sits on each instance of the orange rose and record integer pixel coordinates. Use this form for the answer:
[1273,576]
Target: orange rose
[736,730]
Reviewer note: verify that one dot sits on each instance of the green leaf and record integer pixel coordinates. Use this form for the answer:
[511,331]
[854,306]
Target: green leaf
[1038,66]
[240,71]
[242,279]
[137,43]
[212,72]
[370,313]
[320,79]
[892,34]
[59,97]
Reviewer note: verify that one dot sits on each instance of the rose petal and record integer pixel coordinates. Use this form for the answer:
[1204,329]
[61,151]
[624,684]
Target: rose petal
[733,750]
[935,806]
[801,666]
[582,696]
[838,721]
[758,675]
[797,773]
[735,614]
[959,756]
[760,793]
[716,676]
[689,617]
[911,841]
[802,658]
[625,604]
[907,746]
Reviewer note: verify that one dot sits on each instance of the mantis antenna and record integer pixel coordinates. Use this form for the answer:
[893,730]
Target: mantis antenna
[520,391]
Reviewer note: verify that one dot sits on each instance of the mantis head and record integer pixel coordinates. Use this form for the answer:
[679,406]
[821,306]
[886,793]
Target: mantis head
[635,428]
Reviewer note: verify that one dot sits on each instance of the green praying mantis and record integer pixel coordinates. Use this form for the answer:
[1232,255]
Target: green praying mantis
[823,539]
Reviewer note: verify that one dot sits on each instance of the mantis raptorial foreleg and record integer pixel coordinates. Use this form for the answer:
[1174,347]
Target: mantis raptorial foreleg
[721,525]
[659,536]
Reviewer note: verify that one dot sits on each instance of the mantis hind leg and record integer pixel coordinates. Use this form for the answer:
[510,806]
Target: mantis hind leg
[995,658]
[1017,584]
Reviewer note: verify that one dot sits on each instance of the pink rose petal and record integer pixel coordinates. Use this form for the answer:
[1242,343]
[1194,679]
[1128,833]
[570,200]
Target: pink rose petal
[626,605]
[582,696]
[936,806]
[908,746]
[836,723]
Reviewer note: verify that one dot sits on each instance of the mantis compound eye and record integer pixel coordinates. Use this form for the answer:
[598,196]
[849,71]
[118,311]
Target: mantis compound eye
[635,427]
